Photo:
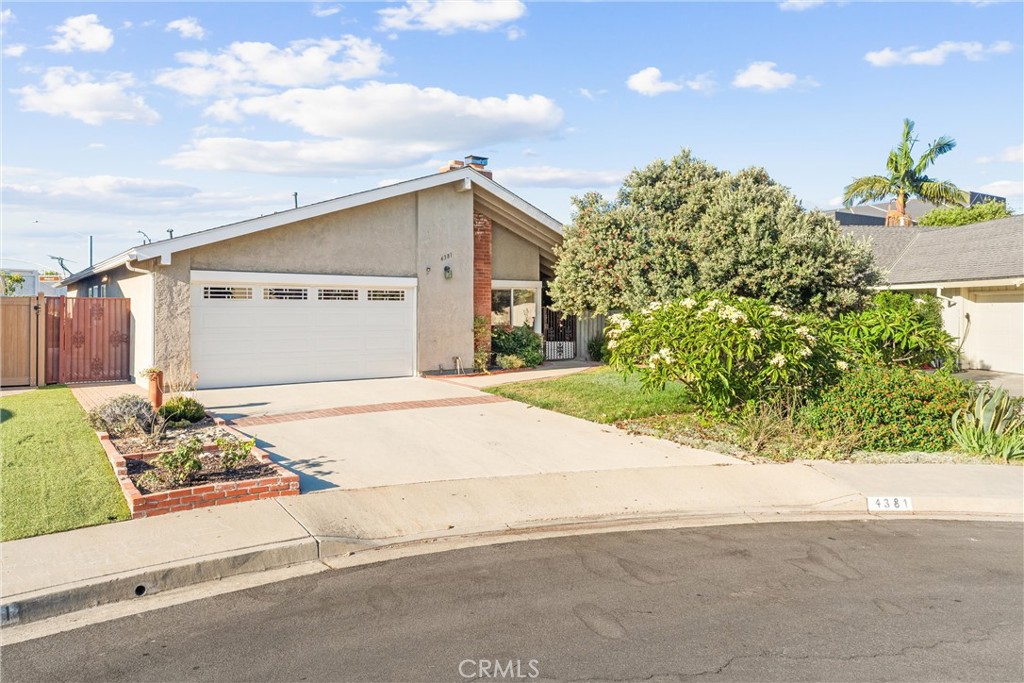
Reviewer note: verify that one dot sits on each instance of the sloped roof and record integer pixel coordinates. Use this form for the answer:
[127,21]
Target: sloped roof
[981,251]
[536,225]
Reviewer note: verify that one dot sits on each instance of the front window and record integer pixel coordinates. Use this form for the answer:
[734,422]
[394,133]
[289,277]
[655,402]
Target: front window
[513,306]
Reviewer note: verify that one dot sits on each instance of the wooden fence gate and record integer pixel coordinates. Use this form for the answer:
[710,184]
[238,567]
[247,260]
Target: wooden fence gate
[87,339]
[18,340]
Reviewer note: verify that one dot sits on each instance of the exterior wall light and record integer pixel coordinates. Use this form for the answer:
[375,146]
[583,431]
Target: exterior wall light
[447,272]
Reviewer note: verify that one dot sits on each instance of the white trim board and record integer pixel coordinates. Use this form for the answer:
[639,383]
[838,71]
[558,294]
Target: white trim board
[255,278]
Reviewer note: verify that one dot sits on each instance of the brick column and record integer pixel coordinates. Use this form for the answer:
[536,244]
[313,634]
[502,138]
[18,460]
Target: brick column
[482,229]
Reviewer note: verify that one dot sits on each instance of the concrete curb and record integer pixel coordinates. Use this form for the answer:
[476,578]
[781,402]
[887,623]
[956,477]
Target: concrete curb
[59,600]
[339,552]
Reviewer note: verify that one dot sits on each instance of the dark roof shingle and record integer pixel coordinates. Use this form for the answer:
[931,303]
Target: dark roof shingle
[980,251]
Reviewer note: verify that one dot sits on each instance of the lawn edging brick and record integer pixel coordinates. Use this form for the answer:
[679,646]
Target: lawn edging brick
[281,483]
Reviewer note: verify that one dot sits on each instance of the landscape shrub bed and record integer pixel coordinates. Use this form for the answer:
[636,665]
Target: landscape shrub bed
[520,341]
[890,408]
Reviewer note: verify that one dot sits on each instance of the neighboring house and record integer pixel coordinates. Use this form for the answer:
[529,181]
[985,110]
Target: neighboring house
[978,271]
[36,283]
[382,283]
[874,214]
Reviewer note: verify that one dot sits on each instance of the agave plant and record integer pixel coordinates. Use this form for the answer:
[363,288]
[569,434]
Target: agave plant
[993,427]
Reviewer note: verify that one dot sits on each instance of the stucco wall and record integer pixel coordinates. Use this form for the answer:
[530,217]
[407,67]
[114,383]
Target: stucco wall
[512,257]
[139,288]
[376,239]
[988,324]
[444,307]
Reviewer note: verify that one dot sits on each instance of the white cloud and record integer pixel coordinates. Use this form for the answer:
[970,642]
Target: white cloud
[386,126]
[6,17]
[591,95]
[15,50]
[297,157]
[765,77]
[704,83]
[1013,154]
[936,56]
[550,176]
[96,145]
[84,33]
[515,33]
[648,82]
[800,5]
[187,27]
[402,112]
[249,67]
[103,187]
[78,95]
[450,16]
[1004,188]
[323,11]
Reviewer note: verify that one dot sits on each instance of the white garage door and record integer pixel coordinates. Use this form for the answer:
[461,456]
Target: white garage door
[997,330]
[249,332]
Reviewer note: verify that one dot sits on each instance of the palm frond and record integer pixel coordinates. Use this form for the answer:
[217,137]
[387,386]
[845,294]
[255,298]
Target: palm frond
[940,192]
[867,189]
[941,146]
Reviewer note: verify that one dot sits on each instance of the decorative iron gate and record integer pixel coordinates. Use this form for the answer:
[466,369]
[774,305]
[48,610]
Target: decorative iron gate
[559,335]
[87,339]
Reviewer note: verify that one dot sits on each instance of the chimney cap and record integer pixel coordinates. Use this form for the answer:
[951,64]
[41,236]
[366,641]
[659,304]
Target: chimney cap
[474,160]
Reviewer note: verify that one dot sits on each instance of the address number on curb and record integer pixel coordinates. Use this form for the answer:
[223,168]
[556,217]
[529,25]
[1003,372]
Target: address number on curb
[890,504]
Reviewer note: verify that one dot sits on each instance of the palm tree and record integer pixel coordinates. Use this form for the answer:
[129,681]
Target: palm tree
[906,178]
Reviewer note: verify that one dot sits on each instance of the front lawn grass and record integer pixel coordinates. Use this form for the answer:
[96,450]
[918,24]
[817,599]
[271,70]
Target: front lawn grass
[54,475]
[598,395]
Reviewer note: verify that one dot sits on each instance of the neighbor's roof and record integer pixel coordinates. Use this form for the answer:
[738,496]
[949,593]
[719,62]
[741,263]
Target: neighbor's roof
[991,250]
[514,211]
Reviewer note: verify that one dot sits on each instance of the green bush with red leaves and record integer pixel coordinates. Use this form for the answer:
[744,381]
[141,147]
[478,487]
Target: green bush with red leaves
[890,408]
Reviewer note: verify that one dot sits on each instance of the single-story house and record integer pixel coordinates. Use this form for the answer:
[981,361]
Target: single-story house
[977,270]
[382,283]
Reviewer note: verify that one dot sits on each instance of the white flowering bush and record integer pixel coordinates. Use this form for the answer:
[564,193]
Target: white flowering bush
[725,349]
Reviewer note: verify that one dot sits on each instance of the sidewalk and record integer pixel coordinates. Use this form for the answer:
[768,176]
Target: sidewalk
[60,573]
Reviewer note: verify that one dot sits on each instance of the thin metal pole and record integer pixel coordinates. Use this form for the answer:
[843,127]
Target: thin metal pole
[90,251]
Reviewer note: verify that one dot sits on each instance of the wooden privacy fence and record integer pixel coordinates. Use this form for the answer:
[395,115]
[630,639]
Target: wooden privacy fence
[87,339]
[20,335]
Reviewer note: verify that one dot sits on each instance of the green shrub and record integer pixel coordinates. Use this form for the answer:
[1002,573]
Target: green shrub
[597,349]
[519,341]
[481,343]
[510,362]
[895,329]
[182,408]
[890,409]
[124,414]
[183,462]
[234,453]
[992,426]
[726,349]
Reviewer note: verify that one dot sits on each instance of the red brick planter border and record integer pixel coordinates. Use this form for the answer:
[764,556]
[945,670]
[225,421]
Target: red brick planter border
[283,483]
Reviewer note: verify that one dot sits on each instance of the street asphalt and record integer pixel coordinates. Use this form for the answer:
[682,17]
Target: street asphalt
[899,600]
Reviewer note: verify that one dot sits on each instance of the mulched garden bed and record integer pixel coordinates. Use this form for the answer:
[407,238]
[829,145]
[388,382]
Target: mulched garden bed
[206,429]
[212,473]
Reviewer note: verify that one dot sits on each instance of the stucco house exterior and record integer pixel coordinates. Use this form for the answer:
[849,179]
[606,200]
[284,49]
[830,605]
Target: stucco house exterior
[382,283]
[977,270]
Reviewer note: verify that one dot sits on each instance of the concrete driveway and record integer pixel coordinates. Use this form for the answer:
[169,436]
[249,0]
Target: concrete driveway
[370,433]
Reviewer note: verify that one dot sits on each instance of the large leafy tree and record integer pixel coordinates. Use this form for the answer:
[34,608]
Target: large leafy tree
[683,225]
[905,177]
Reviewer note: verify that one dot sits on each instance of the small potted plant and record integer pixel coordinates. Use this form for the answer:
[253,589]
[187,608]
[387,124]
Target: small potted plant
[156,386]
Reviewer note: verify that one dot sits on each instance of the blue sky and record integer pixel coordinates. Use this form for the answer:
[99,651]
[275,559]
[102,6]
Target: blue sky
[119,117]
